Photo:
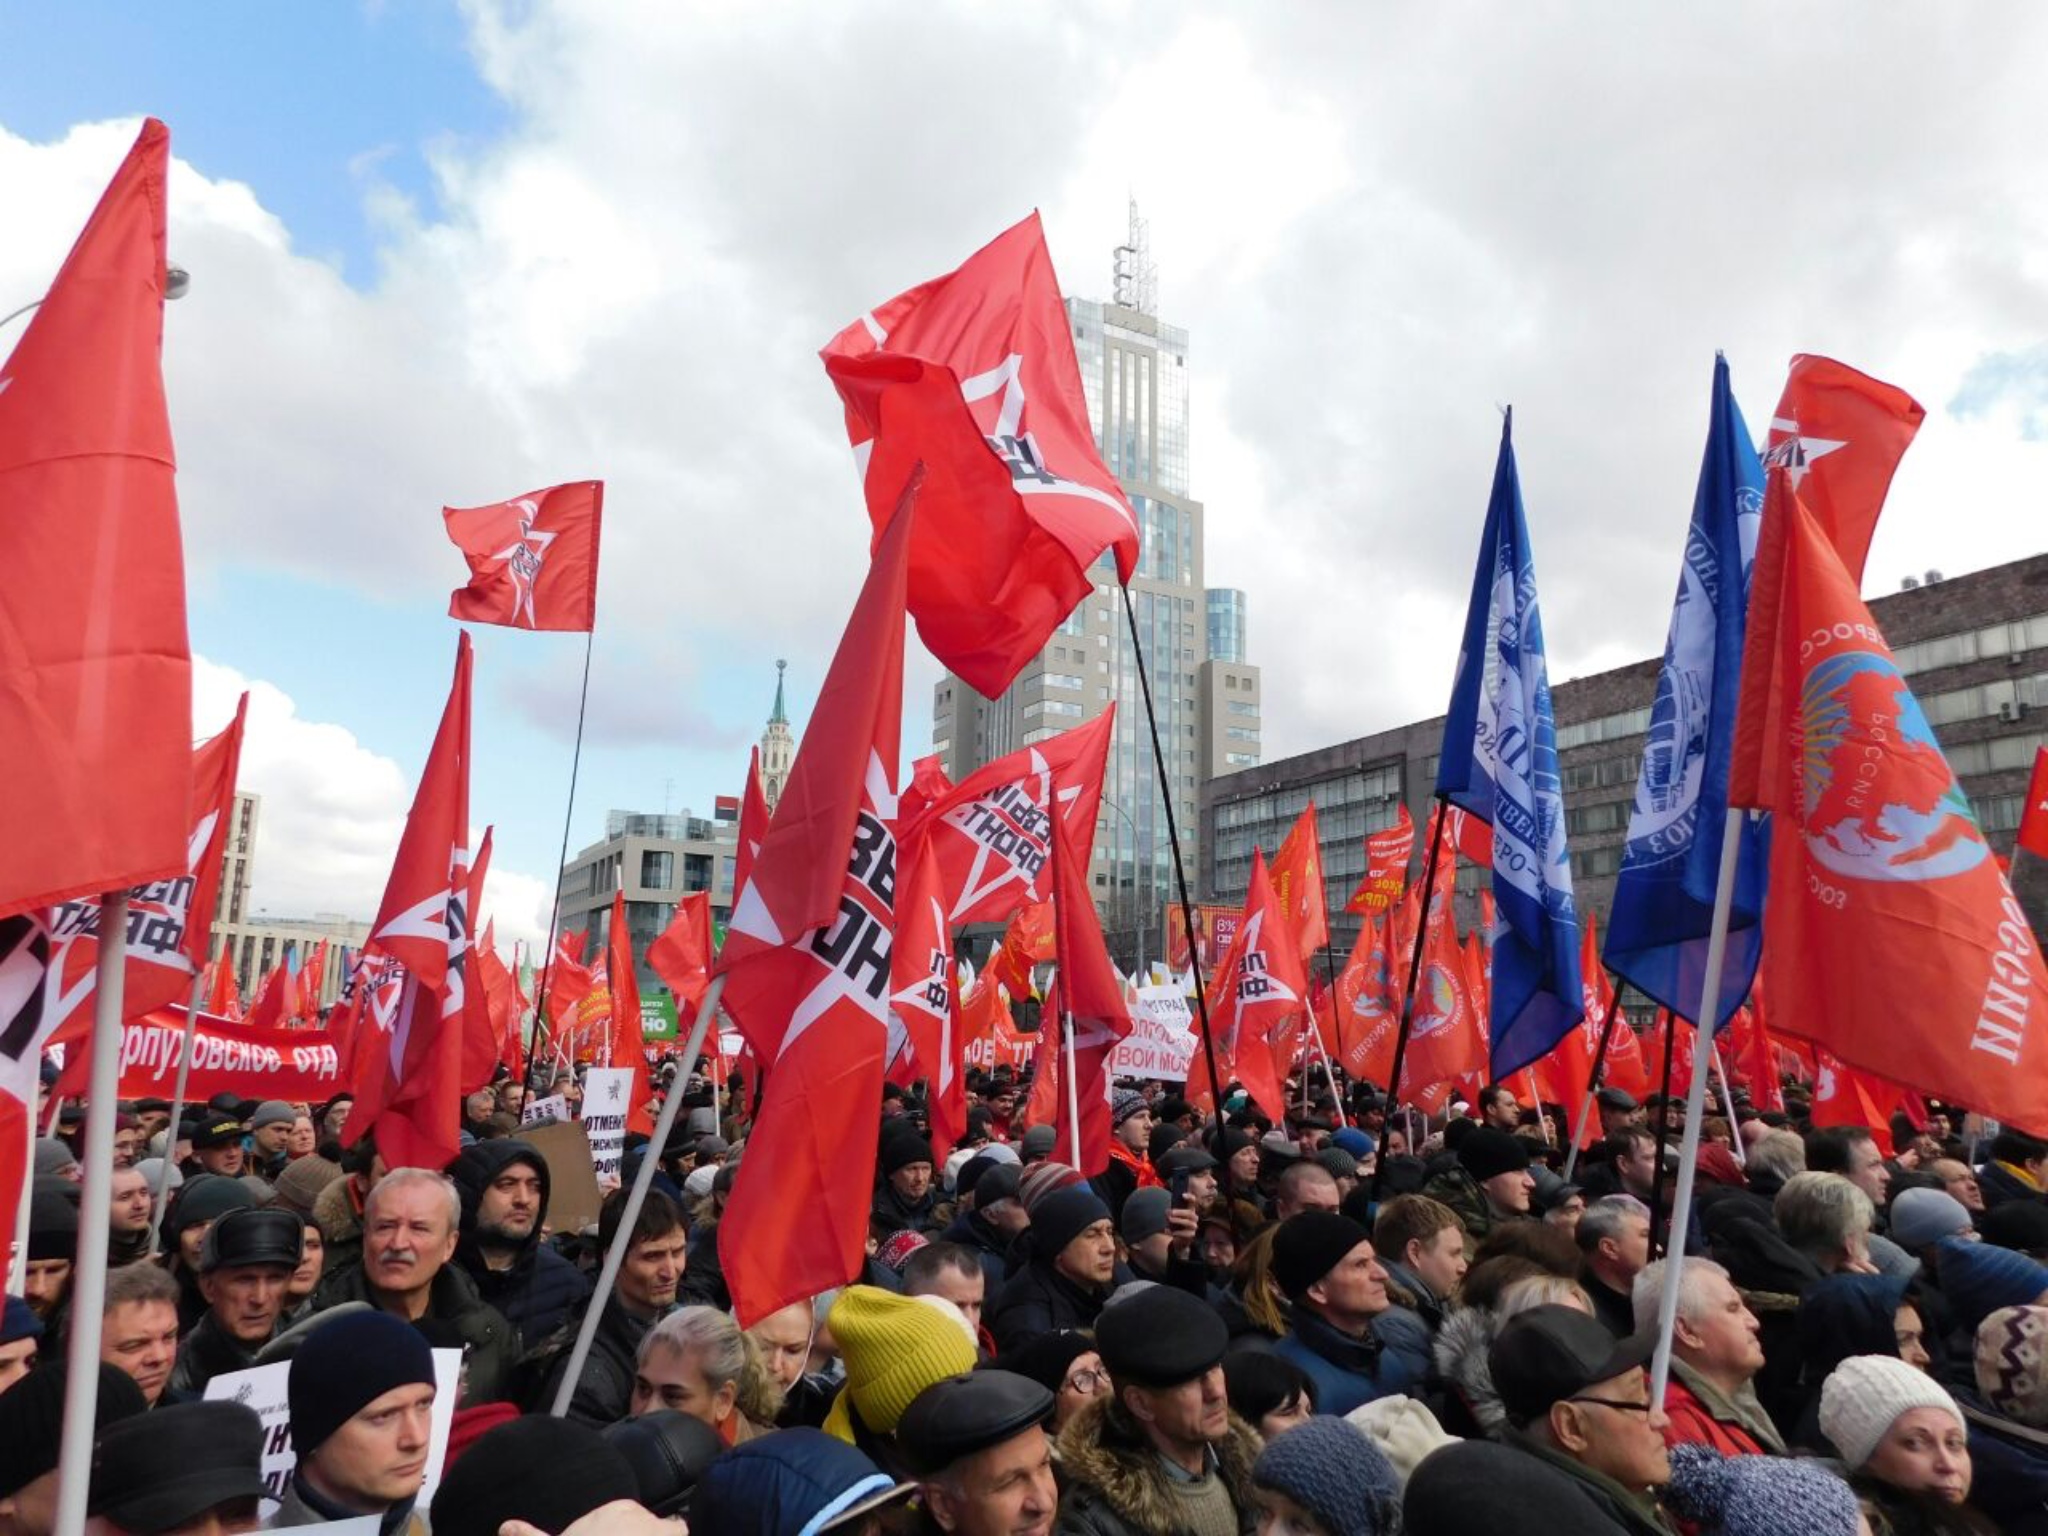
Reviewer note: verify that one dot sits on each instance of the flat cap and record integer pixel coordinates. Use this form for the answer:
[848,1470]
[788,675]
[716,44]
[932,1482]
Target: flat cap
[1616,1098]
[967,1413]
[266,1236]
[1550,1353]
[162,1470]
[1160,1337]
[1188,1156]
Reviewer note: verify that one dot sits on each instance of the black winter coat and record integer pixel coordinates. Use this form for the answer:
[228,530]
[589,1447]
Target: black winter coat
[540,1289]
[1039,1299]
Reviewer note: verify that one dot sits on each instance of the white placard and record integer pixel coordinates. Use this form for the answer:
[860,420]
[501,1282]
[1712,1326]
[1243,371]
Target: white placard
[607,1101]
[266,1388]
[1162,1039]
[553,1107]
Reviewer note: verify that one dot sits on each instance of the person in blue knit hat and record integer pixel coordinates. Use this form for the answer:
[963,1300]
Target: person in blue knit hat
[1326,1478]
[1979,1278]
[1759,1495]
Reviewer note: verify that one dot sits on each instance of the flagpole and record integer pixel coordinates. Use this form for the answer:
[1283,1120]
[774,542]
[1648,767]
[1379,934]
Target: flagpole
[1696,1098]
[1728,1106]
[1663,1131]
[1571,1157]
[1436,843]
[1180,873]
[561,861]
[1073,1087]
[89,1285]
[636,1197]
[17,1269]
[163,1174]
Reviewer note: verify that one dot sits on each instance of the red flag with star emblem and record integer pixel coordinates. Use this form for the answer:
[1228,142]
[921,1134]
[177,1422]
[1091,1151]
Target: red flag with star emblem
[408,1092]
[95,665]
[807,962]
[1882,886]
[2034,819]
[532,560]
[923,993]
[991,834]
[1297,876]
[1259,987]
[973,375]
[1839,434]
[1091,994]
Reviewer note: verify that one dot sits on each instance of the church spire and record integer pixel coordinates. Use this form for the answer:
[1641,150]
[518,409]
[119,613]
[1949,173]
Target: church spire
[778,747]
[778,716]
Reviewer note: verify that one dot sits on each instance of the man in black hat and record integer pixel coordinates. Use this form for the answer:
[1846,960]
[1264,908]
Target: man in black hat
[1490,1182]
[1072,1267]
[217,1146]
[362,1405]
[52,1254]
[1586,1449]
[1162,1452]
[195,1469]
[32,1434]
[1618,1109]
[905,1198]
[978,1445]
[1130,1143]
[247,1257]
[1347,1334]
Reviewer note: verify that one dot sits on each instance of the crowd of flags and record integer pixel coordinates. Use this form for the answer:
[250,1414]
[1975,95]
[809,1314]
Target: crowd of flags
[1791,793]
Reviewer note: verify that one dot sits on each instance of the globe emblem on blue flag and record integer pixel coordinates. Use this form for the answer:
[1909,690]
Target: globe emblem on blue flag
[1880,800]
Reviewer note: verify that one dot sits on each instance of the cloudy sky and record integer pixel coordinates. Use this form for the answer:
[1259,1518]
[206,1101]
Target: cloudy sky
[448,253]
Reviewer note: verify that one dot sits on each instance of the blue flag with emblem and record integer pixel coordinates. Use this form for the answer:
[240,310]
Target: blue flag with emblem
[1499,763]
[1664,899]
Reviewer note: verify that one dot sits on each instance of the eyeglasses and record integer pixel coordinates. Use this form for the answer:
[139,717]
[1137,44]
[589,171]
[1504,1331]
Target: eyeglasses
[1085,1381]
[1608,1402]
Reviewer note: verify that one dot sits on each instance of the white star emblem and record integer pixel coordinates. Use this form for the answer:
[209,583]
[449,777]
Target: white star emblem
[524,557]
[1796,452]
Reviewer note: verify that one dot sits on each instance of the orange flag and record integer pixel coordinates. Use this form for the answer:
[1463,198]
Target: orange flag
[1387,854]
[1297,876]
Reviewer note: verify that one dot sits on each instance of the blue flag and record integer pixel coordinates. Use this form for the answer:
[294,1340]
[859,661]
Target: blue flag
[1499,763]
[1664,900]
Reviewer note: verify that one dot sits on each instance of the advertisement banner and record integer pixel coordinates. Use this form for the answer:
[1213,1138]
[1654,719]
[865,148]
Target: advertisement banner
[1215,927]
[1162,1039]
[296,1065]
[657,1018]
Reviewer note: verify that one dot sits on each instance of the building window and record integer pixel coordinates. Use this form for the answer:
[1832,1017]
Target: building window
[1239,707]
[1051,707]
[1061,680]
[657,870]
[1242,733]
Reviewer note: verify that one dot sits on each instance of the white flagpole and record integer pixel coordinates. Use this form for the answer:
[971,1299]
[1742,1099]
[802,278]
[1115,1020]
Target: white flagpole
[163,1174]
[17,1272]
[1073,1088]
[1728,1102]
[1695,1101]
[89,1286]
[643,1180]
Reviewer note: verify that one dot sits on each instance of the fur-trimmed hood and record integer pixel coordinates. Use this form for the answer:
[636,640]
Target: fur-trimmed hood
[1461,1349]
[1113,1480]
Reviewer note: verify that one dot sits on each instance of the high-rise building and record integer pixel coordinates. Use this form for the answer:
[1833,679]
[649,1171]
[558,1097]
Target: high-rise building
[778,746]
[655,860]
[1134,369]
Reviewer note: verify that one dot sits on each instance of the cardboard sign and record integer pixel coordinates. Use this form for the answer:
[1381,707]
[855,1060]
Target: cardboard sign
[553,1107]
[265,1388]
[1162,1039]
[607,1101]
[573,1197]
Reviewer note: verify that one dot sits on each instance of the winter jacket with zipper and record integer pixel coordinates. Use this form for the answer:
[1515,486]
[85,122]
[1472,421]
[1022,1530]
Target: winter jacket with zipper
[538,1291]
[604,1392]
[1115,1484]
[1039,1299]
[1392,1358]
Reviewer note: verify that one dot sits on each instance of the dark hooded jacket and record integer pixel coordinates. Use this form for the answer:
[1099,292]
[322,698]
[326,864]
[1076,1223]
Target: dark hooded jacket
[1840,1316]
[1039,1299]
[540,1289]
[971,1230]
[1772,1276]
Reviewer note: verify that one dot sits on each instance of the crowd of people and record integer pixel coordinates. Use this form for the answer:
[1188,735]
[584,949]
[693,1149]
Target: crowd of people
[1344,1321]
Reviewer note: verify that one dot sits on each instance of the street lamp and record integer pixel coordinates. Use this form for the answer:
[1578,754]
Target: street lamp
[177,281]
[1146,903]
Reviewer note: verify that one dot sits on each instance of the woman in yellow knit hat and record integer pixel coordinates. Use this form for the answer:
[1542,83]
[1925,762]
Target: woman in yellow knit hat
[894,1347]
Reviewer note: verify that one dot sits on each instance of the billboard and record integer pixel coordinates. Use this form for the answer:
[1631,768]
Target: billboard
[1215,927]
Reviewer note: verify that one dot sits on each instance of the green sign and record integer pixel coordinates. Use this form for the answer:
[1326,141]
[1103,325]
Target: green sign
[658,1017]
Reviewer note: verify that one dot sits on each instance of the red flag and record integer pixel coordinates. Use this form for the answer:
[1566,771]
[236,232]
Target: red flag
[1368,1006]
[224,998]
[480,1043]
[501,996]
[312,977]
[565,982]
[1839,434]
[1567,1072]
[277,1004]
[973,376]
[95,666]
[753,827]
[1297,876]
[991,834]
[807,962]
[1259,987]
[409,1093]
[2034,819]
[1387,854]
[532,560]
[1445,1038]
[1027,943]
[1844,1096]
[922,994]
[1092,1006]
[628,1046]
[1883,889]
[681,957]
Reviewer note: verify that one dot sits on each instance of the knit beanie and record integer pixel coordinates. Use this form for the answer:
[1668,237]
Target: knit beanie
[18,1321]
[346,1364]
[272,1112]
[303,1179]
[1921,1217]
[206,1197]
[1338,1163]
[1042,1179]
[1124,1104]
[894,1347]
[548,1471]
[152,1169]
[1485,1152]
[1310,1245]
[1047,1357]
[902,1148]
[53,1157]
[1145,1213]
[2012,1363]
[32,1419]
[1036,1143]
[1332,1470]
[1864,1396]
[996,1184]
[52,1226]
[1064,1215]
[895,1250]
[1759,1495]
[1358,1143]
[1979,1278]
[1404,1430]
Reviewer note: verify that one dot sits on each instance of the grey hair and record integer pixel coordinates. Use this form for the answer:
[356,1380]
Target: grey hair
[1780,1154]
[407,1178]
[1822,1213]
[1604,1218]
[134,1284]
[1647,1293]
[1518,1296]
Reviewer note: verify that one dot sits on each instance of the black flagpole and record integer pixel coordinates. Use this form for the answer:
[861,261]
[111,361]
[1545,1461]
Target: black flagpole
[540,1001]
[1180,873]
[1578,1132]
[1663,1131]
[1436,843]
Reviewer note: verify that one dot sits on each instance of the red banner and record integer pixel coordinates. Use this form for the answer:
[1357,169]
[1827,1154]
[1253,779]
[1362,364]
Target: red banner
[300,1066]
